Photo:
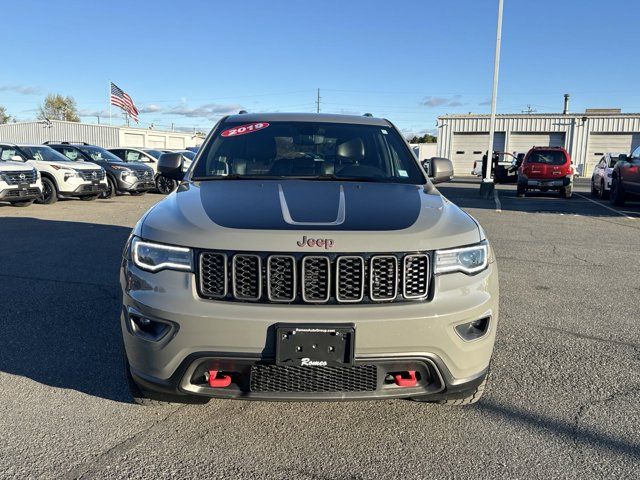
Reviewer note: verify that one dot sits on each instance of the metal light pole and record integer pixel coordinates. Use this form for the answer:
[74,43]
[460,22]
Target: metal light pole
[487,186]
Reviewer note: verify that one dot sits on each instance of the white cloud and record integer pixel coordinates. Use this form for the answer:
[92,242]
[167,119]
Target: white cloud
[208,110]
[22,89]
[151,108]
[443,101]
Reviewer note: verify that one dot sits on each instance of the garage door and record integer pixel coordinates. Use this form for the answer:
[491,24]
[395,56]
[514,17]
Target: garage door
[601,143]
[133,140]
[523,142]
[468,147]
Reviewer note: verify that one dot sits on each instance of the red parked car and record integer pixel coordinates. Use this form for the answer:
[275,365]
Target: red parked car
[546,168]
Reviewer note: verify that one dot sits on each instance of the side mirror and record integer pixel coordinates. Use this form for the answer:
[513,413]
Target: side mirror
[17,158]
[440,170]
[170,166]
[623,157]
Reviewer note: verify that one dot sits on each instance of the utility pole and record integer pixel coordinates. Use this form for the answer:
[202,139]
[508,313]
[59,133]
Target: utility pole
[487,187]
[318,102]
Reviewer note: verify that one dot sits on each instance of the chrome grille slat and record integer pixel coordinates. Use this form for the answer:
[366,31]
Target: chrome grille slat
[14,177]
[281,278]
[416,276]
[350,279]
[316,279]
[247,277]
[383,278]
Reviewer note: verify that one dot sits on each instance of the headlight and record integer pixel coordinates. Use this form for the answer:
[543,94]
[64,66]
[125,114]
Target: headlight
[68,173]
[154,256]
[467,260]
[4,178]
[37,174]
[127,173]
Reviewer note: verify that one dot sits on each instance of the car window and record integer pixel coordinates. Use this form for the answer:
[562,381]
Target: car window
[118,153]
[99,154]
[6,153]
[71,153]
[44,154]
[636,153]
[612,161]
[549,157]
[135,156]
[308,150]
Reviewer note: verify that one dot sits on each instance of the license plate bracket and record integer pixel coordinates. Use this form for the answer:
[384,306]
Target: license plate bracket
[315,345]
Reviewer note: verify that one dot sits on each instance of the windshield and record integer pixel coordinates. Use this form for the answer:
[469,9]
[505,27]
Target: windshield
[154,153]
[549,157]
[613,160]
[308,150]
[44,154]
[99,154]
[188,154]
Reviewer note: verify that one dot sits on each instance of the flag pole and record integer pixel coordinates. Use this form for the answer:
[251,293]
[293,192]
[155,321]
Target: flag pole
[109,97]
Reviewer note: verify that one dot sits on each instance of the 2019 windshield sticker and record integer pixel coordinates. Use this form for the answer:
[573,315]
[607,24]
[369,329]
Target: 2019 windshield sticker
[244,129]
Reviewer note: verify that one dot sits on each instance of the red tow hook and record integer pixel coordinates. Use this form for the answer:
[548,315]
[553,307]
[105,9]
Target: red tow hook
[218,380]
[412,381]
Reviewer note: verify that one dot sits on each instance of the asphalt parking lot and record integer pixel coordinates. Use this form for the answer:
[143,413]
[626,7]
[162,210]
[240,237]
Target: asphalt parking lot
[563,401]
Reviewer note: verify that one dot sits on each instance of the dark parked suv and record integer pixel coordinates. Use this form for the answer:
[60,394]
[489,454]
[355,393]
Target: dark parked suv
[122,177]
[625,178]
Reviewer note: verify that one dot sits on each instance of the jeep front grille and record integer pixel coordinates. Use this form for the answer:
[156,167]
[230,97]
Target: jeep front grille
[318,279]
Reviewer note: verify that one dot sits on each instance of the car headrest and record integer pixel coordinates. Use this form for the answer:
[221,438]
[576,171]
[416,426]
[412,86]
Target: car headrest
[352,149]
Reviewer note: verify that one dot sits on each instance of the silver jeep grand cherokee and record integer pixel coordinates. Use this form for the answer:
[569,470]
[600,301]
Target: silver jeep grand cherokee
[307,257]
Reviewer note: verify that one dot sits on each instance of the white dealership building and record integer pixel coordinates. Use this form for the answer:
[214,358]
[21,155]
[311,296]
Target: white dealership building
[586,136]
[102,135]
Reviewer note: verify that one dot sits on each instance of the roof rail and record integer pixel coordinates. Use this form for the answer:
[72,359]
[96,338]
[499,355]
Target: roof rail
[367,115]
[51,142]
[242,112]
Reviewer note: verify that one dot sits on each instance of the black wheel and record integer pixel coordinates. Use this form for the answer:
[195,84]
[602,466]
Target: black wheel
[602,193]
[152,399]
[463,398]
[521,189]
[88,198]
[566,192]
[594,190]
[49,192]
[23,204]
[137,194]
[165,185]
[616,194]
[111,190]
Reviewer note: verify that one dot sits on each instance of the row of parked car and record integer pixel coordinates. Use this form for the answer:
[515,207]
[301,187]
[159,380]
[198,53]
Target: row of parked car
[45,173]
[616,175]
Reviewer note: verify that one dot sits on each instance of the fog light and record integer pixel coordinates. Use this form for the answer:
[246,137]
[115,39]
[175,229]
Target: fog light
[473,330]
[146,328]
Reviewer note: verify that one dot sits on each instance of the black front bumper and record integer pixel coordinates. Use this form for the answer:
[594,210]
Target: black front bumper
[88,189]
[140,186]
[20,194]
[254,378]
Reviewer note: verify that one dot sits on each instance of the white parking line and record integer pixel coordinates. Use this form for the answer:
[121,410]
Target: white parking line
[606,206]
[497,199]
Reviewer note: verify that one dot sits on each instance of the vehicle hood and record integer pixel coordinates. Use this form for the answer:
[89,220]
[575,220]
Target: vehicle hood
[71,165]
[274,215]
[10,166]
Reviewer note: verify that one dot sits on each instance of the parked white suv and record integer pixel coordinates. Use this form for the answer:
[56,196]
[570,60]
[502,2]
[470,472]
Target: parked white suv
[602,173]
[20,184]
[60,176]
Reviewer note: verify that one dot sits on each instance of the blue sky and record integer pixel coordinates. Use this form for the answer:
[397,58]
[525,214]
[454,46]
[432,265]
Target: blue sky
[190,62]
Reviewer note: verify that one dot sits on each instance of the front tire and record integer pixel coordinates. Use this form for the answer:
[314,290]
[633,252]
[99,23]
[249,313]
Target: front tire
[49,192]
[602,193]
[594,190]
[111,190]
[616,194]
[521,190]
[165,185]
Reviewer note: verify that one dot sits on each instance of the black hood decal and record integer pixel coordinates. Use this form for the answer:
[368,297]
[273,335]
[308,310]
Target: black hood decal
[310,205]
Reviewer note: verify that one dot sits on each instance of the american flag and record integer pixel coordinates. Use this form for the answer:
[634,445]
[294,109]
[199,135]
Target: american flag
[121,99]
